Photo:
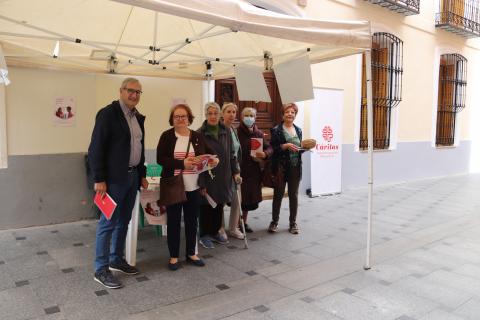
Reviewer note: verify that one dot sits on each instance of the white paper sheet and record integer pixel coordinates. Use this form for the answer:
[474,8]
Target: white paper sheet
[251,85]
[210,200]
[294,79]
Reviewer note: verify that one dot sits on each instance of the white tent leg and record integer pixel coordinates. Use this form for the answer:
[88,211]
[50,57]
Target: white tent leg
[209,89]
[132,234]
[368,66]
[4,81]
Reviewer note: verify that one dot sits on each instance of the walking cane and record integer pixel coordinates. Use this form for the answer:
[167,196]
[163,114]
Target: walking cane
[239,198]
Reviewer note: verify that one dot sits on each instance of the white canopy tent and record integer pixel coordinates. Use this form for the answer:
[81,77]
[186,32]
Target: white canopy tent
[195,39]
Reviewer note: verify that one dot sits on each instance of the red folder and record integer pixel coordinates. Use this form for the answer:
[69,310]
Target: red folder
[106,204]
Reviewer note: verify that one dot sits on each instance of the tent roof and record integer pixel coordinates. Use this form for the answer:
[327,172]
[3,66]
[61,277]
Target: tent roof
[104,36]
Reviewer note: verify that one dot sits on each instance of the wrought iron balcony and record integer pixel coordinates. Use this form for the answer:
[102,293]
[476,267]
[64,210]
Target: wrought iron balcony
[405,7]
[461,17]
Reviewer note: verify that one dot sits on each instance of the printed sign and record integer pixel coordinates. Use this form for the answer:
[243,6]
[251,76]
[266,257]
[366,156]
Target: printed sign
[64,112]
[326,128]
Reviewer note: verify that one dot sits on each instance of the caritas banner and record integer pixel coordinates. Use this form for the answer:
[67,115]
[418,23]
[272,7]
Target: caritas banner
[326,128]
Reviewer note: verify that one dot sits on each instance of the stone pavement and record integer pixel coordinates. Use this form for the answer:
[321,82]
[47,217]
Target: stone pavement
[425,264]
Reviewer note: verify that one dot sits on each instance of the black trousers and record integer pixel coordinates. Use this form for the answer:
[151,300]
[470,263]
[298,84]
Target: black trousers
[292,177]
[210,219]
[190,218]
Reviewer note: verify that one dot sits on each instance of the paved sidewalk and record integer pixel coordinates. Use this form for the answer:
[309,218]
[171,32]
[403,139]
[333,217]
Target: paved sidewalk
[425,257]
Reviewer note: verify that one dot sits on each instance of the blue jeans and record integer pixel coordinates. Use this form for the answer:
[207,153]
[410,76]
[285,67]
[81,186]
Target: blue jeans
[115,229]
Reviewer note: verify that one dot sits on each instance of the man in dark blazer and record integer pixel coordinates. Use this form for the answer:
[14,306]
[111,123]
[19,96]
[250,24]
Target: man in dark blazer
[116,156]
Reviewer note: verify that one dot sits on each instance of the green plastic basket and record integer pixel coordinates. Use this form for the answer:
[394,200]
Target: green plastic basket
[154,170]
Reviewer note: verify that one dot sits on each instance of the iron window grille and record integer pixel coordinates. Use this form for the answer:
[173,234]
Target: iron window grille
[452,87]
[461,17]
[387,70]
[405,7]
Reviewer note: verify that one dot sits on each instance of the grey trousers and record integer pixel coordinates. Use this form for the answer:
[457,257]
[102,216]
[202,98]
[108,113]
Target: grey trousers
[292,177]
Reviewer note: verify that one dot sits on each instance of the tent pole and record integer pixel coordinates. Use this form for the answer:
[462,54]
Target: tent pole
[155,28]
[209,81]
[368,67]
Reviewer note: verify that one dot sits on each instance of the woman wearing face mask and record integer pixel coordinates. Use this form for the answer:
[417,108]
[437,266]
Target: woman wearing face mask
[250,165]
[286,140]
[219,186]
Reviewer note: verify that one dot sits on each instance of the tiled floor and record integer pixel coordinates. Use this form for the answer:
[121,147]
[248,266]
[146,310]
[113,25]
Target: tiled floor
[425,264]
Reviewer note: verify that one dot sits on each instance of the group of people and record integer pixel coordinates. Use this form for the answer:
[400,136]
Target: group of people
[116,156]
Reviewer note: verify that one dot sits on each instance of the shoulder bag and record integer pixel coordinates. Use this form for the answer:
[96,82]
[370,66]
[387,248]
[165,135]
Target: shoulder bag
[172,189]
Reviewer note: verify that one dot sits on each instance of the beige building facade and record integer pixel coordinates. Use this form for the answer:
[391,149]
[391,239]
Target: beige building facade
[45,178]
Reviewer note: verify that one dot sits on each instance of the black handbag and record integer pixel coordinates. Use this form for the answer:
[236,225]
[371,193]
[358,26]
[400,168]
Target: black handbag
[172,189]
[272,179]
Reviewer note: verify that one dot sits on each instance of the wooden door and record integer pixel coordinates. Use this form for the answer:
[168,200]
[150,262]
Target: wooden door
[381,111]
[381,115]
[268,114]
[446,113]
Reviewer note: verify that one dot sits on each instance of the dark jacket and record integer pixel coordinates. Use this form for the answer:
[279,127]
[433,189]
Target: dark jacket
[109,150]
[280,156]
[220,187]
[166,148]
[250,170]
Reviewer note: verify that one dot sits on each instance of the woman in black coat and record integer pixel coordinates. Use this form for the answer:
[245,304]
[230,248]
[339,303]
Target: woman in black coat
[219,187]
[250,165]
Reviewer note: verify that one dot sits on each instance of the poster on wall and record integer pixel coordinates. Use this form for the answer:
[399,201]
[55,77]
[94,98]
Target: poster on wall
[326,128]
[64,112]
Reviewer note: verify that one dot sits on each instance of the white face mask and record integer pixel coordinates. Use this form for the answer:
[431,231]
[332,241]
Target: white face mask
[248,121]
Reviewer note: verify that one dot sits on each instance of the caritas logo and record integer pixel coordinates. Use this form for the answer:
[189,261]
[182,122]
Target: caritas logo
[327,147]
[327,133]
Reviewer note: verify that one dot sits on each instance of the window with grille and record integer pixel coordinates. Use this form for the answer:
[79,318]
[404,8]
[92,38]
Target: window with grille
[451,96]
[387,70]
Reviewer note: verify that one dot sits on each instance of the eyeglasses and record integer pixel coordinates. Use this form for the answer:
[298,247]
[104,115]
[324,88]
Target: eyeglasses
[132,91]
[209,114]
[182,117]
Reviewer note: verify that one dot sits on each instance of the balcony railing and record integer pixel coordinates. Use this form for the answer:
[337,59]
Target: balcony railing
[405,7]
[461,17]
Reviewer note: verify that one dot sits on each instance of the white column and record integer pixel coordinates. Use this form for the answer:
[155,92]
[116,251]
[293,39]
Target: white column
[208,94]
[3,123]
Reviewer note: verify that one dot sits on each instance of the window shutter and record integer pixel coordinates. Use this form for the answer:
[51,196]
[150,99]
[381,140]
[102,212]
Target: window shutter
[451,96]
[387,56]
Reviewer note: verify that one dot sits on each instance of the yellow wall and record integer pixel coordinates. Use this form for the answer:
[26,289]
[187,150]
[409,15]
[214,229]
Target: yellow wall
[30,100]
[423,44]
[30,103]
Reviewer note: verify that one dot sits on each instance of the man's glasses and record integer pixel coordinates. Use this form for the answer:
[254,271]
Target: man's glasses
[132,91]
[183,117]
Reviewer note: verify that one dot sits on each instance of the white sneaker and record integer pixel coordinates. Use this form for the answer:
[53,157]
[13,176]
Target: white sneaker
[236,234]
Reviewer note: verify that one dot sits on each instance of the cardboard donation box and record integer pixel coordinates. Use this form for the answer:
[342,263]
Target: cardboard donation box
[154,213]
